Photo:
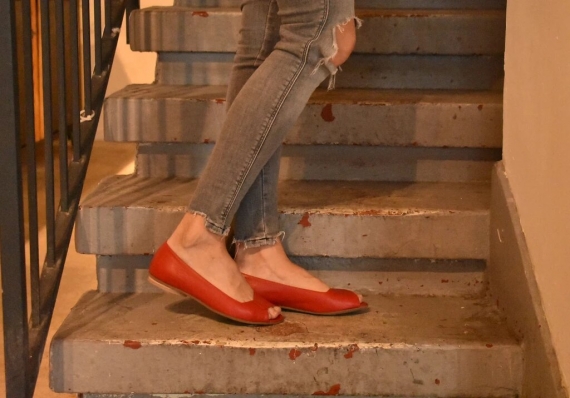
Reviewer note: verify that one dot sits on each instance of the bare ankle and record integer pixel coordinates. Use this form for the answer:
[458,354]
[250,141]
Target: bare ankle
[192,232]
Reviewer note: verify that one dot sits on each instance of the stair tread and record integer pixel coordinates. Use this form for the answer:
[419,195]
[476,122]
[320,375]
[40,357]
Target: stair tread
[157,336]
[369,117]
[356,96]
[350,219]
[313,197]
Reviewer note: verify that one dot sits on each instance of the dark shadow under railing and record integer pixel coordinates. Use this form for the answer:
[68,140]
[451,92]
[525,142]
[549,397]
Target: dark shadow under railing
[53,95]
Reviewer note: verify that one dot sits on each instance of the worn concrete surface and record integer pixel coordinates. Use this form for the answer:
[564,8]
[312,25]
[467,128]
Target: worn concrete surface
[335,162]
[444,32]
[429,72]
[385,4]
[194,114]
[133,215]
[162,343]
[416,277]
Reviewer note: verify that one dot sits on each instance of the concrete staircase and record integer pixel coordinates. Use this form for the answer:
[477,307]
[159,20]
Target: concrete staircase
[385,190]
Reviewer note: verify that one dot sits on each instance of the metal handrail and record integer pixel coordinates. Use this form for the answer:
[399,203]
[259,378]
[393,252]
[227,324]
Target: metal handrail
[73,94]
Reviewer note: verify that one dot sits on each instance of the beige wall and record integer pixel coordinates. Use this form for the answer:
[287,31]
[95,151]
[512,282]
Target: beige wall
[131,67]
[537,149]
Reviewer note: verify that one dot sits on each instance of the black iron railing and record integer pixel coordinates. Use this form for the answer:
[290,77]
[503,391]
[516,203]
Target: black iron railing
[72,92]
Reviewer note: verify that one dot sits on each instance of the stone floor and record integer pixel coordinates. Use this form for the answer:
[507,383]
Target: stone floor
[79,274]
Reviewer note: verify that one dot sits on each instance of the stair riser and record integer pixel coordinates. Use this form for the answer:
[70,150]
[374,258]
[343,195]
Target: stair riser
[129,274]
[360,71]
[155,114]
[170,29]
[399,369]
[112,231]
[385,4]
[352,163]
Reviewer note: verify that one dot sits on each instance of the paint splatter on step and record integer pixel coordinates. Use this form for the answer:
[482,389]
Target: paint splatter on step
[334,390]
[294,354]
[327,113]
[202,14]
[135,345]
[351,350]
[305,221]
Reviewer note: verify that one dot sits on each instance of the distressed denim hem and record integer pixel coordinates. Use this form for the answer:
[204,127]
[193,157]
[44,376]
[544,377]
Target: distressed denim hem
[211,225]
[327,60]
[260,242]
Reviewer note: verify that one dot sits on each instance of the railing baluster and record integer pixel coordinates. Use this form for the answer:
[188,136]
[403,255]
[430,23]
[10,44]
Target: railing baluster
[75,100]
[97,33]
[12,255]
[86,58]
[28,74]
[63,173]
[48,132]
[108,21]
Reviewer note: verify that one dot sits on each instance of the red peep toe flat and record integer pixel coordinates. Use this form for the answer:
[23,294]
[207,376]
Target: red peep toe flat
[170,273]
[331,302]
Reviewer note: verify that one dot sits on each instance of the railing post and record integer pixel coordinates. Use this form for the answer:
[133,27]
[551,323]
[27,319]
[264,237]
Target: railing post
[12,254]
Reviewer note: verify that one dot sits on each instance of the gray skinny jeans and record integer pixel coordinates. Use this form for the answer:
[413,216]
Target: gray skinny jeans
[284,52]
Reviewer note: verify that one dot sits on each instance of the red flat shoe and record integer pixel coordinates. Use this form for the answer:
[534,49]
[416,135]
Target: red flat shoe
[170,273]
[331,302]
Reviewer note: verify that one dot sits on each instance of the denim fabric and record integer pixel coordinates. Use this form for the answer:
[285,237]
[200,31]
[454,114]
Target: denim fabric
[283,54]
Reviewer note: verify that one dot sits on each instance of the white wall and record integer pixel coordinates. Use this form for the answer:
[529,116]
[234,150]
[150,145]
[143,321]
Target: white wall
[537,149]
[131,67]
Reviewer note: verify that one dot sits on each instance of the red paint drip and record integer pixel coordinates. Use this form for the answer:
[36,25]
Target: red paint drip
[445,281]
[252,351]
[294,354]
[480,107]
[437,382]
[315,347]
[135,345]
[220,100]
[206,140]
[351,350]
[305,221]
[334,390]
[203,14]
[489,345]
[327,113]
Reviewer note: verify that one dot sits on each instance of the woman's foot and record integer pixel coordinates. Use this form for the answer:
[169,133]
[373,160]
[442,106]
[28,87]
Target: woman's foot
[271,263]
[206,254]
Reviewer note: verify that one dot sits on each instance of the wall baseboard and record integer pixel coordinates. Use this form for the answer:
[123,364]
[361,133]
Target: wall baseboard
[513,285]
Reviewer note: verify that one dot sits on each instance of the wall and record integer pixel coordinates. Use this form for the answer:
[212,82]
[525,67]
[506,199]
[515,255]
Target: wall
[537,149]
[131,67]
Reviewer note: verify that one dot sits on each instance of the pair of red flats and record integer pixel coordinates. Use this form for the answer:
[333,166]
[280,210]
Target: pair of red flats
[171,273]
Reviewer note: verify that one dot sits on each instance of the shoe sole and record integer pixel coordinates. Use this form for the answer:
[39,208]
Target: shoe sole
[172,290]
[343,312]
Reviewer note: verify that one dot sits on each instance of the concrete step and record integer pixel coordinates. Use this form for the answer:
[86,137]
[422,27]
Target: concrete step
[413,277]
[131,215]
[444,32]
[335,162]
[422,72]
[424,118]
[385,4]
[404,346]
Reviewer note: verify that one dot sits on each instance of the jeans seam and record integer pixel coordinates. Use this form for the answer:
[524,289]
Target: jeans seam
[284,96]
[261,48]
[263,222]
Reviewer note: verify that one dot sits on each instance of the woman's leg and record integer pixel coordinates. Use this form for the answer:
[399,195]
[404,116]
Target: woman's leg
[264,110]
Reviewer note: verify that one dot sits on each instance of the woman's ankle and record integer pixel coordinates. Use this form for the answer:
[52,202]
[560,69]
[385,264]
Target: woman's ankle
[192,232]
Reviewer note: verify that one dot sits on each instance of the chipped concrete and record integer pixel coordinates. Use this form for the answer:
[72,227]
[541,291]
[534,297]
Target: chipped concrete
[424,118]
[402,346]
[133,215]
